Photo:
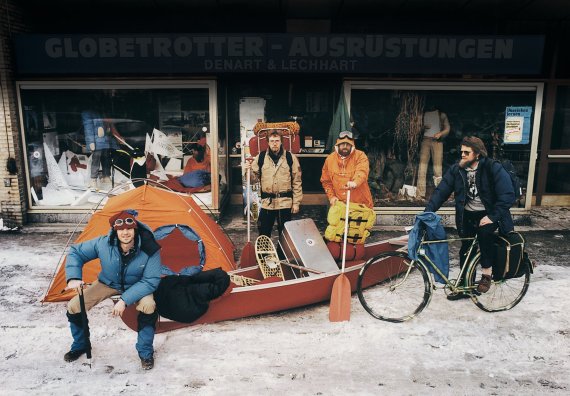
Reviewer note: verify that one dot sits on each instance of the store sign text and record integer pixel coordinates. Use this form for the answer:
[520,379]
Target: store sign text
[281,53]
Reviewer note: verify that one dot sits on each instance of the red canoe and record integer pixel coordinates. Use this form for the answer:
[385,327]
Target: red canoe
[274,294]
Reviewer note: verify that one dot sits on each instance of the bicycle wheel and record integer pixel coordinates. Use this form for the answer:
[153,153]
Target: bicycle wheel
[502,295]
[393,288]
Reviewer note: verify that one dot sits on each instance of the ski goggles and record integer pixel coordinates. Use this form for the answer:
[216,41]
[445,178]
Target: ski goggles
[346,134]
[127,222]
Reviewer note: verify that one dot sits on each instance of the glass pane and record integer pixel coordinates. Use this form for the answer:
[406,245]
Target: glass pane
[561,126]
[81,143]
[557,180]
[397,129]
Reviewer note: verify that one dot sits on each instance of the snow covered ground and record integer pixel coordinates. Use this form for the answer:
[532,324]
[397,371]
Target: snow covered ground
[451,348]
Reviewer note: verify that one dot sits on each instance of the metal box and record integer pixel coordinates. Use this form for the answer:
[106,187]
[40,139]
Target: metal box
[303,244]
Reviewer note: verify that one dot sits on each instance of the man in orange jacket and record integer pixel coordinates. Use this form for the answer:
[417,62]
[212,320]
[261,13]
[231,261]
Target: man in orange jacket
[347,168]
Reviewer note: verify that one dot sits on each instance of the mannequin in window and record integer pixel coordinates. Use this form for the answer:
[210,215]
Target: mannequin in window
[435,128]
[197,172]
[100,143]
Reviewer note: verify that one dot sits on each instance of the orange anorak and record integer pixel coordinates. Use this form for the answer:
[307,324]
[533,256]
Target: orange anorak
[337,171]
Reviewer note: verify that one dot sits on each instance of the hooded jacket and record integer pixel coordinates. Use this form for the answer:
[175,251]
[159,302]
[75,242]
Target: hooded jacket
[140,277]
[337,171]
[495,190]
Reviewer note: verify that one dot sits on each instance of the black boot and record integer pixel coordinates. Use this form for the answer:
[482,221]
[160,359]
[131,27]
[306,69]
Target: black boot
[72,356]
[79,346]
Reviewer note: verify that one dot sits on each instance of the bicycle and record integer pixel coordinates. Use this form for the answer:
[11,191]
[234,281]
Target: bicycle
[408,289]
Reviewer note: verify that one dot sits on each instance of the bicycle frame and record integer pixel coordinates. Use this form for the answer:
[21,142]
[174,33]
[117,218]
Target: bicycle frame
[469,260]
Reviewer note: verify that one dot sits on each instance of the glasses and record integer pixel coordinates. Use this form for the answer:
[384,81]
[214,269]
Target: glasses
[466,152]
[344,134]
[127,221]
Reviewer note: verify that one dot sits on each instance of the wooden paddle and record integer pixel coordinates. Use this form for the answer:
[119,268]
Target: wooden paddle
[339,310]
[247,258]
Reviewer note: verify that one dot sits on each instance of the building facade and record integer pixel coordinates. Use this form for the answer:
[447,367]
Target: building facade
[174,92]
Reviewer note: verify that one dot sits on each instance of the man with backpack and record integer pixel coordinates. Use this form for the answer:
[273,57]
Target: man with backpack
[484,194]
[279,174]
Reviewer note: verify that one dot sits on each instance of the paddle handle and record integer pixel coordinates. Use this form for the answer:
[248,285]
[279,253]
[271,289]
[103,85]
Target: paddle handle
[345,230]
[247,199]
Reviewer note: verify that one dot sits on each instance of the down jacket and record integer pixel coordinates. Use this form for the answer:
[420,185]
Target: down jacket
[186,298]
[495,190]
[141,275]
[337,171]
[97,132]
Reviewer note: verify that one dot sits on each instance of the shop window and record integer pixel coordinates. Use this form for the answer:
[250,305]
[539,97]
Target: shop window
[397,129]
[82,143]
[557,181]
[561,127]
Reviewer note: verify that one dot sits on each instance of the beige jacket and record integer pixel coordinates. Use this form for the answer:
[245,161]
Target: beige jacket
[276,178]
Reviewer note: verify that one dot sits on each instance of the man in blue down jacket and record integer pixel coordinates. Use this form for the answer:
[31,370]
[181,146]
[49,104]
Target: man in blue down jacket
[483,196]
[130,266]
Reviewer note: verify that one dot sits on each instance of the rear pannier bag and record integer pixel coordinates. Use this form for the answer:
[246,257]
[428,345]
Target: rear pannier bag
[510,259]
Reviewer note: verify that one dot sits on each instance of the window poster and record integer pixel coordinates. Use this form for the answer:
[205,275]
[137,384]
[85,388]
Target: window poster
[517,124]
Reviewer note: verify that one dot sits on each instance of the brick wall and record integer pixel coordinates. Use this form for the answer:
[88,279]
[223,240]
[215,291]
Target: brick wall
[12,186]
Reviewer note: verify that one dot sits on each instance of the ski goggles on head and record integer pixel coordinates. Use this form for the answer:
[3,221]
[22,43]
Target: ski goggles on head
[125,223]
[345,137]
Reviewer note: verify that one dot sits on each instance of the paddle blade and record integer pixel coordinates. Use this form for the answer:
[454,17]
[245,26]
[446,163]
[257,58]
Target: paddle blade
[247,258]
[339,310]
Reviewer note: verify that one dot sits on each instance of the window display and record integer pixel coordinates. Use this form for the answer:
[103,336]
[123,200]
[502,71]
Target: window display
[411,133]
[83,142]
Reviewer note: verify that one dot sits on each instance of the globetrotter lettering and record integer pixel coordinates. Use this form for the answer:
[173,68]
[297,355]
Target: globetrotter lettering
[154,47]
[290,53]
[299,47]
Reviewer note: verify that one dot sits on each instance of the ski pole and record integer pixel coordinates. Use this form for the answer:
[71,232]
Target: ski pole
[85,323]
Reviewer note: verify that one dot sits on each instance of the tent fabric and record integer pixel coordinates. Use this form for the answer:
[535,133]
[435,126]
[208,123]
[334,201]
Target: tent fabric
[157,207]
[188,261]
[340,122]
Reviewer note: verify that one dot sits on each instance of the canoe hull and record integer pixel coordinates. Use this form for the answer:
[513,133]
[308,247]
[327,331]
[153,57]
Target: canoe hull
[271,294]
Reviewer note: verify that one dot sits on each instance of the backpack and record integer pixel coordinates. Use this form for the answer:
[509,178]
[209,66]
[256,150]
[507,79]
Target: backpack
[512,172]
[361,219]
[288,157]
[511,260]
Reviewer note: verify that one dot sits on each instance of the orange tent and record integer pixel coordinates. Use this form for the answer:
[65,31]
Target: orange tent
[156,207]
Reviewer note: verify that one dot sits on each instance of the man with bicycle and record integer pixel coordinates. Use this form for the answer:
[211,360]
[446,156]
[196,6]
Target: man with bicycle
[483,196]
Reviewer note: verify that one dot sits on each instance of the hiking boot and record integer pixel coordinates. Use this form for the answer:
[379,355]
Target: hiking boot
[72,356]
[484,283]
[147,363]
[458,296]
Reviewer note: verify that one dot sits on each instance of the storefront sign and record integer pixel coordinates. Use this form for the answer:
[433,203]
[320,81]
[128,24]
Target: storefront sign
[344,54]
[517,125]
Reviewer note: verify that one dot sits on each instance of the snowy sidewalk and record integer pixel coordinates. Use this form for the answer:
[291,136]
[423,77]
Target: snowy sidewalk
[452,348]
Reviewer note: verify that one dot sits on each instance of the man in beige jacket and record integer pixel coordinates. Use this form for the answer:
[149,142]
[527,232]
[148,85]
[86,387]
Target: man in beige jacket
[279,174]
